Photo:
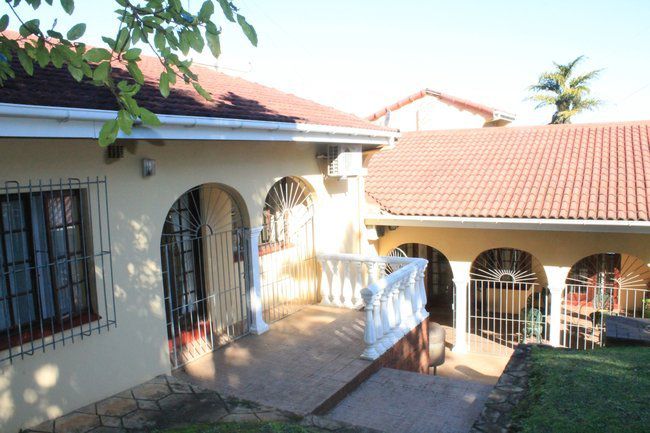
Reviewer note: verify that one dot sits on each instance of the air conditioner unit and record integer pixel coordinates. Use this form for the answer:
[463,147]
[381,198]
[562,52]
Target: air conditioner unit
[344,160]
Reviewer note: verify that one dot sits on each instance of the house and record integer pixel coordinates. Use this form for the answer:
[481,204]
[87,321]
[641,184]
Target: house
[535,232]
[431,109]
[123,263]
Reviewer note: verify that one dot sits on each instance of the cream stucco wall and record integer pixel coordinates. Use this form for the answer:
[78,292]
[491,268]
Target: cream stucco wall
[555,250]
[49,384]
[430,113]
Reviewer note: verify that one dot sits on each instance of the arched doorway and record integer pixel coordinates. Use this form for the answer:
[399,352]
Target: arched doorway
[287,250]
[508,301]
[601,285]
[438,280]
[205,262]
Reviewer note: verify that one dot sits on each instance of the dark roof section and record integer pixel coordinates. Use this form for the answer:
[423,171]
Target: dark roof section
[234,98]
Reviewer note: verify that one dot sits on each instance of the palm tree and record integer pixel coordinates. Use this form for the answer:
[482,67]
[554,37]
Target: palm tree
[566,90]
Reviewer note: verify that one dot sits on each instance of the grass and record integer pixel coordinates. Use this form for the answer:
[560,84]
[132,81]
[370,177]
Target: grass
[603,390]
[236,427]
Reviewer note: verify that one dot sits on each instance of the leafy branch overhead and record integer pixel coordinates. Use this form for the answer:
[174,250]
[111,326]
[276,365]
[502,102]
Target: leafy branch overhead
[165,26]
[568,92]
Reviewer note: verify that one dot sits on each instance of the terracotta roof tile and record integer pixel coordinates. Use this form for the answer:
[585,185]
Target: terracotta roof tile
[234,98]
[593,171]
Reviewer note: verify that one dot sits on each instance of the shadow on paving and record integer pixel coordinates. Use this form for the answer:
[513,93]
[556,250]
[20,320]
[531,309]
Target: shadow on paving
[166,402]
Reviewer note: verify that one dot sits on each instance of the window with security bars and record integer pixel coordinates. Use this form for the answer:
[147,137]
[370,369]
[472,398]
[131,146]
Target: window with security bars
[56,275]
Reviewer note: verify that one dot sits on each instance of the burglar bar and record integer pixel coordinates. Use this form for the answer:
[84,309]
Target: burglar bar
[56,270]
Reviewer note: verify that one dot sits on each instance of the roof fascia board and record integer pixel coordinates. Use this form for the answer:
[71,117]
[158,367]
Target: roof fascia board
[599,226]
[17,120]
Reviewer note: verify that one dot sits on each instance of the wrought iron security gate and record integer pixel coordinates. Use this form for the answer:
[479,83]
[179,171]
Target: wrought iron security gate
[506,301]
[599,286]
[287,251]
[205,264]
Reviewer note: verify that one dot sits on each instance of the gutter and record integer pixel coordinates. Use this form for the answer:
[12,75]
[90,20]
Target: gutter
[572,225]
[18,120]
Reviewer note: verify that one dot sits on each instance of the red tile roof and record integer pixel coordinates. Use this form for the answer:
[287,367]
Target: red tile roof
[234,98]
[488,113]
[591,171]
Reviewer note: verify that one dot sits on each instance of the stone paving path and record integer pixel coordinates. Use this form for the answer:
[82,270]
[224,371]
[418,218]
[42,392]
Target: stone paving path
[167,402]
[405,402]
[303,361]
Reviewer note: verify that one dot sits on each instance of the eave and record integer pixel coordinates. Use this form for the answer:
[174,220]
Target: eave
[569,225]
[17,120]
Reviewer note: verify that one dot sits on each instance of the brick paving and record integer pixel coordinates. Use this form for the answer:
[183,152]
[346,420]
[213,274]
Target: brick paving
[405,402]
[299,364]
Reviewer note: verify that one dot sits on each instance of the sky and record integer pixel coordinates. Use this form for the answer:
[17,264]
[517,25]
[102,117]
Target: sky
[361,55]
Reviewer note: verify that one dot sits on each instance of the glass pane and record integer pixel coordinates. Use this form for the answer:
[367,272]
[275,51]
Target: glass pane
[16,245]
[24,309]
[58,243]
[65,305]
[62,275]
[20,280]
[74,238]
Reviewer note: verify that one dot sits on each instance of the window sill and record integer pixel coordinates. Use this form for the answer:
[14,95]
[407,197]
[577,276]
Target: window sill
[14,338]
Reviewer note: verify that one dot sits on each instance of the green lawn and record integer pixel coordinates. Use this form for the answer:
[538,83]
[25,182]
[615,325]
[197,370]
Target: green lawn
[602,390]
[234,427]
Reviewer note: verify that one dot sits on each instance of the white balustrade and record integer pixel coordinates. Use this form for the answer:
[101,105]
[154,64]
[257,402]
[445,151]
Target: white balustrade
[390,290]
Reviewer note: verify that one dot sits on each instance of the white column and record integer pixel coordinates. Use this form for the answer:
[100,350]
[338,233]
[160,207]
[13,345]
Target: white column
[258,326]
[461,280]
[556,278]
[326,282]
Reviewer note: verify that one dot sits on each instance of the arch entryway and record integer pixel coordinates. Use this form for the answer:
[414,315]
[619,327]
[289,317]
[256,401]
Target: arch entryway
[438,280]
[205,261]
[287,249]
[601,285]
[508,301]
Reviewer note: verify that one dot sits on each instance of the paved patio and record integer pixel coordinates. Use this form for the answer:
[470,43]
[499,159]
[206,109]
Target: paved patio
[405,402]
[304,362]
[166,402]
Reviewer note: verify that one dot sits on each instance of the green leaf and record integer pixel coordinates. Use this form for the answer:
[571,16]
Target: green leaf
[164,84]
[42,56]
[122,42]
[54,34]
[213,43]
[76,31]
[149,118]
[100,73]
[125,121]
[202,91]
[26,62]
[132,54]
[30,27]
[135,72]
[110,42]
[96,55]
[76,72]
[249,31]
[159,40]
[227,10]
[68,6]
[57,57]
[4,22]
[176,4]
[108,133]
[207,9]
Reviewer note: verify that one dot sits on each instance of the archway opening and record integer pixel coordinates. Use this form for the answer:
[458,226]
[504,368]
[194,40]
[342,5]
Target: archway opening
[287,249]
[597,287]
[508,301]
[438,280]
[204,255]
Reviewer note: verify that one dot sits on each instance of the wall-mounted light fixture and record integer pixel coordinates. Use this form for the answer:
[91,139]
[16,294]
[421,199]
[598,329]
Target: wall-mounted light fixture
[148,167]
